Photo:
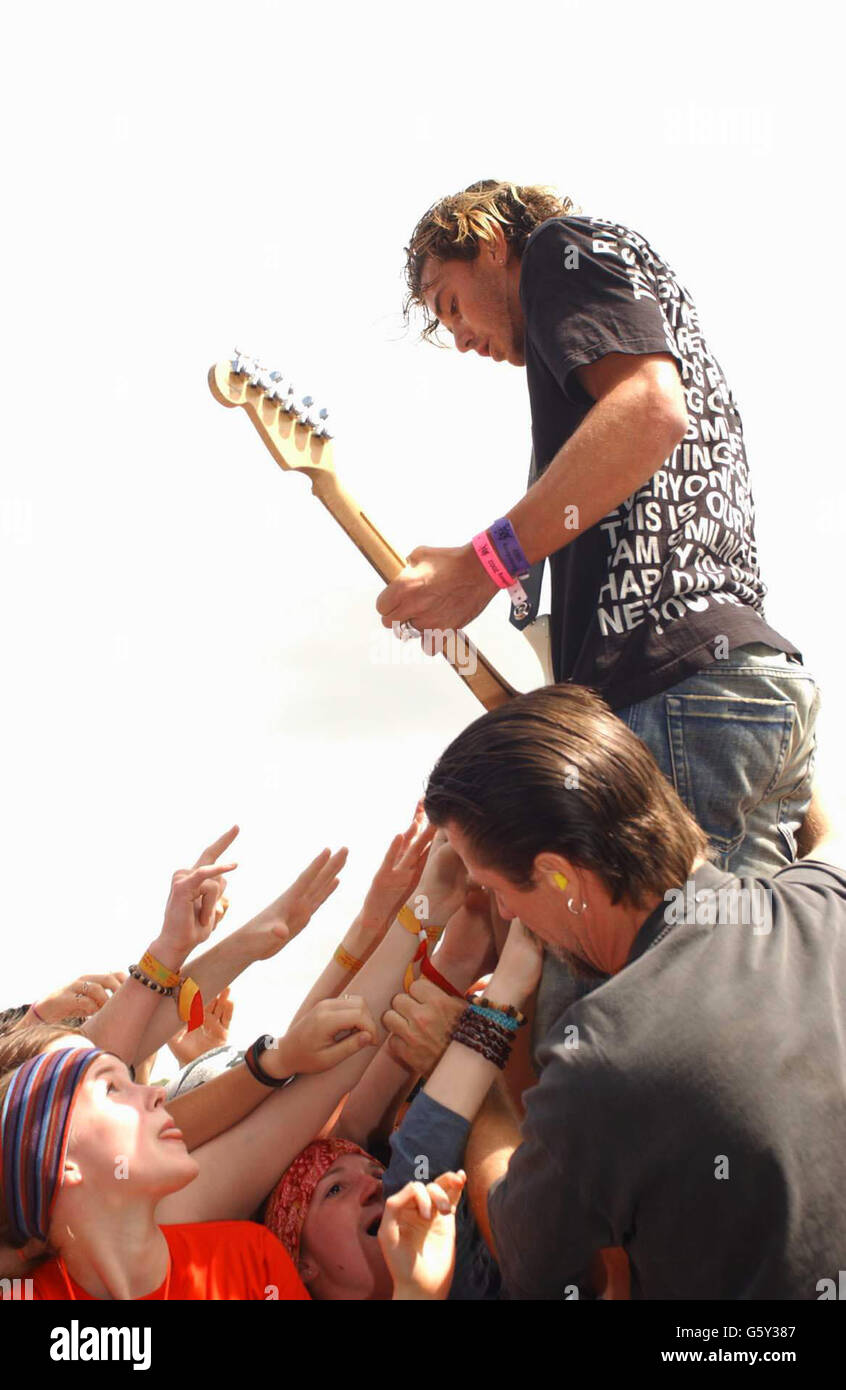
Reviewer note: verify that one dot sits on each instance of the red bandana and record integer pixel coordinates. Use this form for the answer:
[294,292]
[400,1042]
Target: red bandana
[288,1204]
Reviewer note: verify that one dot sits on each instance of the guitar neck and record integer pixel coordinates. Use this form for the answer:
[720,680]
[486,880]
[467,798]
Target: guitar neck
[477,673]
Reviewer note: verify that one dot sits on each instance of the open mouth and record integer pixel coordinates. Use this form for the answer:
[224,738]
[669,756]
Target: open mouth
[373,1228]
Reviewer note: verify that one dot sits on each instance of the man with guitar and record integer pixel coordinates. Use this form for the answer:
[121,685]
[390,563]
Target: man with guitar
[639,497]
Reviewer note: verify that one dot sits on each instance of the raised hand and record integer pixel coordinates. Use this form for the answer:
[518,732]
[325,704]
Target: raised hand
[399,873]
[442,885]
[193,908]
[468,946]
[212,1032]
[279,923]
[417,1236]
[330,1032]
[82,998]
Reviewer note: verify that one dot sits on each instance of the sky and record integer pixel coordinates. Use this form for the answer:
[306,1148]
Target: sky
[188,638]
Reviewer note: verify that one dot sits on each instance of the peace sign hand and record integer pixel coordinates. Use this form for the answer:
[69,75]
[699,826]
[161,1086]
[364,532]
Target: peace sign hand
[194,907]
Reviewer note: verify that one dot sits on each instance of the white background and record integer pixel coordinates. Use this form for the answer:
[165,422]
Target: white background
[187,638]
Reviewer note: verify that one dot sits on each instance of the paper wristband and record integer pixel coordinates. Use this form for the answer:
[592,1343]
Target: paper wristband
[511,552]
[407,919]
[158,972]
[491,562]
[190,1004]
[347,961]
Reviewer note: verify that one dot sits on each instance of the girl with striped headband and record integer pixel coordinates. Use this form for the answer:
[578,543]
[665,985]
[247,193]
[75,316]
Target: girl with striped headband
[87,1155]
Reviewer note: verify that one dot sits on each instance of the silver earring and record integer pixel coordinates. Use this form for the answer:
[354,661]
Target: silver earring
[576,911]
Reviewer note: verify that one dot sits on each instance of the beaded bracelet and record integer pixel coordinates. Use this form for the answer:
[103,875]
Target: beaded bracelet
[138,974]
[254,1067]
[483,1002]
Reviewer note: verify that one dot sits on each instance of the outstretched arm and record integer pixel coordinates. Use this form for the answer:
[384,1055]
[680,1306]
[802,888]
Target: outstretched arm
[394,882]
[240,1167]
[259,939]
[124,1024]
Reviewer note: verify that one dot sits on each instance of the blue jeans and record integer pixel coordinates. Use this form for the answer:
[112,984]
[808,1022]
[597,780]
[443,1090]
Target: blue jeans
[737,741]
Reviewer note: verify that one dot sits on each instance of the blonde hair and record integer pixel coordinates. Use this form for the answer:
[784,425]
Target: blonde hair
[455,227]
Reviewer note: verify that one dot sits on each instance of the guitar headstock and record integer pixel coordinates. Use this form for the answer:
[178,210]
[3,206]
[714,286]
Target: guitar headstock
[293,427]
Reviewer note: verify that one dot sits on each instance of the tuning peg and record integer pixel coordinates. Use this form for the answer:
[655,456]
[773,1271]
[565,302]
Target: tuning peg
[323,431]
[277,390]
[260,376]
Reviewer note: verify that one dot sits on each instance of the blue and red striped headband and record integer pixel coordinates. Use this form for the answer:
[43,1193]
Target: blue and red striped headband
[34,1131]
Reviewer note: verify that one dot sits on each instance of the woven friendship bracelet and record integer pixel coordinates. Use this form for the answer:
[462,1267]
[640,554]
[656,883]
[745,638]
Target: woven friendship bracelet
[483,1036]
[495,1052]
[486,1029]
[497,1016]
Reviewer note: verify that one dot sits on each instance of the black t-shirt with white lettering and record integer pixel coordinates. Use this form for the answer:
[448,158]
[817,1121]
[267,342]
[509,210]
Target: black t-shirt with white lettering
[669,580]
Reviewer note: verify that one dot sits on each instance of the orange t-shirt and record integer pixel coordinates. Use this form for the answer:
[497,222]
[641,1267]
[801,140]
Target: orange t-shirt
[208,1260]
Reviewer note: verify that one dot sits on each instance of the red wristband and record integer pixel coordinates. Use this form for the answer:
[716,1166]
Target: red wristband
[491,561]
[428,969]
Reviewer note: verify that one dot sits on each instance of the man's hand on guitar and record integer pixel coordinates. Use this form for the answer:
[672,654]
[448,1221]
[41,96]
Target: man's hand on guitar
[438,591]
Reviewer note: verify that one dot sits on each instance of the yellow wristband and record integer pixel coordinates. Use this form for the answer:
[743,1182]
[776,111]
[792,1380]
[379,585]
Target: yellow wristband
[349,962]
[189,1004]
[158,972]
[407,919]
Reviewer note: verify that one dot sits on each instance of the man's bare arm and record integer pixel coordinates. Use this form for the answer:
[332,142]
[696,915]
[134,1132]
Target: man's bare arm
[493,1139]
[638,419]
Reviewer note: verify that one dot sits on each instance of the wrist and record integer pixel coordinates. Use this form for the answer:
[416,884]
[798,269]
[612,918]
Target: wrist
[276,1059]
[360,939]
[476,571]
[506,988]
[172,957]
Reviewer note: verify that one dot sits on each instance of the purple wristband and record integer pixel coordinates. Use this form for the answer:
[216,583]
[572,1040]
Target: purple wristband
[510,550]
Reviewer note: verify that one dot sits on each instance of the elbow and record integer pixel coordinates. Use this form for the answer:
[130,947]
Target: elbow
[665,418]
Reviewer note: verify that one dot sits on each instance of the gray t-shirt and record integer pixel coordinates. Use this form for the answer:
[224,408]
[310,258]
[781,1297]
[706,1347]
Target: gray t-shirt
[697,1114]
